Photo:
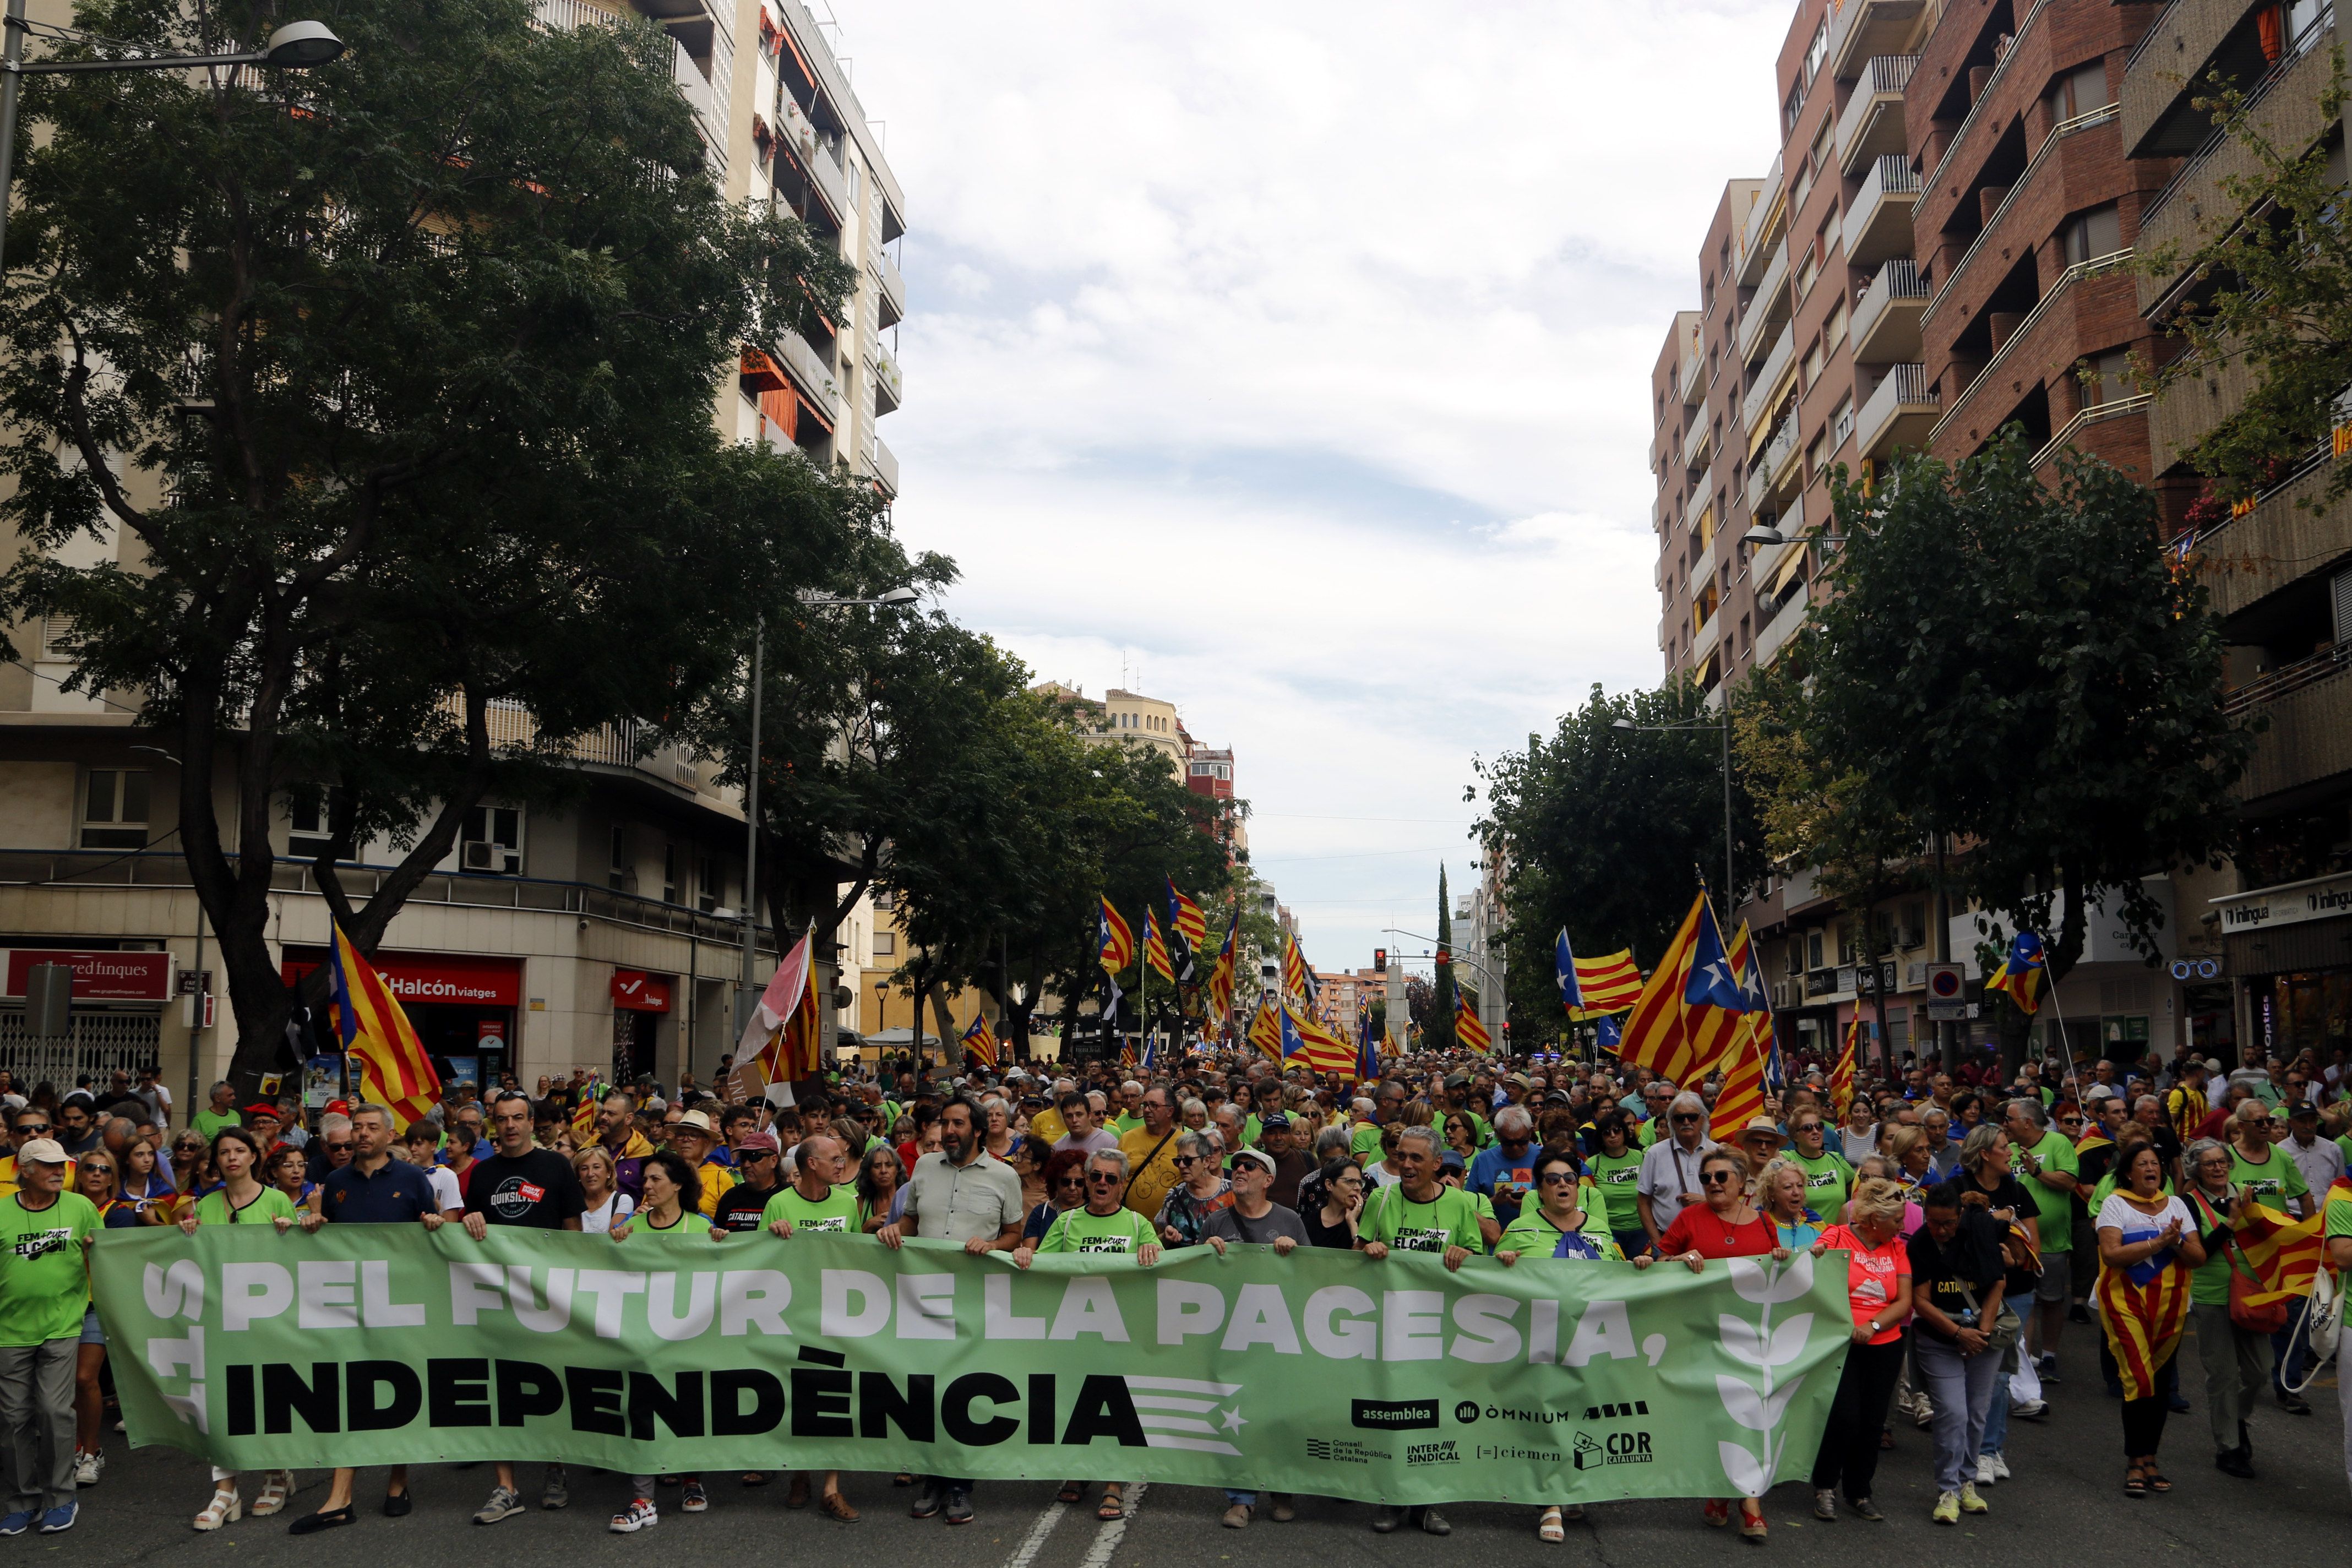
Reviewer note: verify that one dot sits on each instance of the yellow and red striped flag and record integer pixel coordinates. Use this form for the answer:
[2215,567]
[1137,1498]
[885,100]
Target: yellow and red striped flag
[1295,981]
[980,1040]
[1155,952]
[2286,1253]
[1740,1099]
[584,1114]
[395,1069]
[1265,1030]
[1607,984]
[1467,1029]
[1842,1076]
[780,1041]
[1186,917]
[1656,1039]
[1220,978]
[1116,943]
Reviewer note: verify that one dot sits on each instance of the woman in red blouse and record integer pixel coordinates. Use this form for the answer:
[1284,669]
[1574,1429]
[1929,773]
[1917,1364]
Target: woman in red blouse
[1727,1224]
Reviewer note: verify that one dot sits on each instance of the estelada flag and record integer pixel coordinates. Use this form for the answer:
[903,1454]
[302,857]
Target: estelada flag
[1265,1030]
[1155,952]
[2022,972]
[394,1070]
[1185,916]
[584,1114]
[1116,943]
[978,1040]
[1592,986]
[1842,1077]
[1220,977]
[2285,1255]
[1296,979]
[1468,1030]
[1740,1099]
[780,1041]
[1692,1009]
[1306,1042]
[1760,1006]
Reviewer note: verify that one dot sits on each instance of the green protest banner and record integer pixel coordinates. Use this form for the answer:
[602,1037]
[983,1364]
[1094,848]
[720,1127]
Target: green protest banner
[1323,1372]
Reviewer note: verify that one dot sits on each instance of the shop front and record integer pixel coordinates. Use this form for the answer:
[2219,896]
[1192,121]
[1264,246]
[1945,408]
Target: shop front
[463,1006]
[2290,950]
[118,1000]
[641,1008]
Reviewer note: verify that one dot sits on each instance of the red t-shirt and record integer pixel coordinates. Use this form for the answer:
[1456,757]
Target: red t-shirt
[1873,1276]
[1696,1229]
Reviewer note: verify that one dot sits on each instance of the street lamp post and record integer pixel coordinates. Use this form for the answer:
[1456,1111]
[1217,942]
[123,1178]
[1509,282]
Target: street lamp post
[748,994]
[1729,891]
[297,45]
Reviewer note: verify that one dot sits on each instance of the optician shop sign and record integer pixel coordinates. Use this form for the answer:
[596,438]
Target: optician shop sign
[2323,897]
[461,979]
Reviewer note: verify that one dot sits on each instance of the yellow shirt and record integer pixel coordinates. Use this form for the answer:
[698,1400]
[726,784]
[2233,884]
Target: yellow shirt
[1148,1186]
[1049,1125]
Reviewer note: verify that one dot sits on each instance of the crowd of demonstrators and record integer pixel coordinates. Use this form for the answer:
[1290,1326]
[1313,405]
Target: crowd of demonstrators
[1977,1218]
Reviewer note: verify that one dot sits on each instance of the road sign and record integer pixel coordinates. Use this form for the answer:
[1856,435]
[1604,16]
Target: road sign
[1947,983]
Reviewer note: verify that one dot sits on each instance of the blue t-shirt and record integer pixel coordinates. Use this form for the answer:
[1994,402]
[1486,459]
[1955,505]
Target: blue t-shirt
[398,1194]
[1492,1168]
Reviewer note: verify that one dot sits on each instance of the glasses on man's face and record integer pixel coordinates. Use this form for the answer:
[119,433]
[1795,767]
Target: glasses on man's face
[342,1148]
[1102,1179]
[33,1127]
[1681,1116]
[1714,1178]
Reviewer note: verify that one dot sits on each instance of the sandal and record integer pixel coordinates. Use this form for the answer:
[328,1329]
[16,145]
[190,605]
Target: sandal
[1716,1512]
[2156,1482]
[276,1488]
[1071,1491]
[833,1505]
[1549,1528]
[227,1507]
[1113,1506]
[2134,1484]
[1752,1521]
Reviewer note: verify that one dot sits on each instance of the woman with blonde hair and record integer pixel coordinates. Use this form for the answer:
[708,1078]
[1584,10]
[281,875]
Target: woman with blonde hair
[1781,1193]
[607,1205]
[1878,1292]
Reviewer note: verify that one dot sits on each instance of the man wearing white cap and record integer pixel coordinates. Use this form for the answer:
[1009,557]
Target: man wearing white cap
[44,1295]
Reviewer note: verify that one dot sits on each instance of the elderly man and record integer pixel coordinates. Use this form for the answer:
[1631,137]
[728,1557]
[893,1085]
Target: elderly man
[1655,1096]
[1278,1136]
[1503,1171]
[1229,1119]
[1669,1178]
[1419,1213]
[44,1295]
[1151,1149]
[1131,1109]
[2044,1160]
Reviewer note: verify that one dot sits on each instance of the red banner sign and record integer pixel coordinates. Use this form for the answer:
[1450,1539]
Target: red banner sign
[462,980]
[638,992]
[98,976]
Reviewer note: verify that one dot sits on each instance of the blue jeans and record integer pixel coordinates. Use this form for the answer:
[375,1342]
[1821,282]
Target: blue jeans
[1961,1387]
[1996,1426]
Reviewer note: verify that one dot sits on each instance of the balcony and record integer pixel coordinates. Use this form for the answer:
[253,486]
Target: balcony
[1862,29]
[1781,455]
[806,366]
[2309,706]
[882,465]
[1703,569]
[1878,223]
[1698,445]
[893,288]
[888,391]
[1985,94]
[2053,146]
[2063,300]
[1694,372]
[1761,392]
[1871,124]
[813,155]
[1899,414]
[1783,624]
[696,89]
[1886,319]
[1710,632]
[1766,308]
[1756,230]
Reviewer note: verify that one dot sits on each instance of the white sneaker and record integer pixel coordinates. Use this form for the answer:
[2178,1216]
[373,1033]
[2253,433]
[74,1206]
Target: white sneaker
[87,1468]
[639,1515]
[2000,1468]
[1986,1474]
[1923,1413]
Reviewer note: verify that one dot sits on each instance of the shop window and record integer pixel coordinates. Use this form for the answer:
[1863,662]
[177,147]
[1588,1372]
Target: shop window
[114,809]
[491,841]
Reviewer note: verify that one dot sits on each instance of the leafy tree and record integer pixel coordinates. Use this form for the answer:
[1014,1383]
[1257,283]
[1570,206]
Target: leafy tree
[385,391]
[1608,831]
[2015,664]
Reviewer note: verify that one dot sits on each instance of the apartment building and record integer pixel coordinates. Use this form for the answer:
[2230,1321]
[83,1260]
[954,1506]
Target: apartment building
[1939,248]
[2273,932]
[604,934]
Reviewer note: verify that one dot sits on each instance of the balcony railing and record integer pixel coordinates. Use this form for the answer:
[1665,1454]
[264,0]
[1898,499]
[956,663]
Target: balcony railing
[2025,182]
[2272,684]
[1694,372]
[801,359]
[2321,26]
[888,390]
[1897,282]
[1756,402]
[1782,448]
[886,466]
[1784,623]
[893,287]
[2098,413]
[1903,389]
[1763,305]
[1874,228]
[1756,223]
[2058,291]
[569,15]
[1879,92]
[2000,66]
[1695,444]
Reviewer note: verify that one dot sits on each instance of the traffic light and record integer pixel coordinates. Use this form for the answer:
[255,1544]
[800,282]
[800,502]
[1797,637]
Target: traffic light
[1380,961]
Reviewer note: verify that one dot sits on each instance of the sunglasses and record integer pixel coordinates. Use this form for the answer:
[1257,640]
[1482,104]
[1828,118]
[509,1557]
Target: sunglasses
[1185,1159]
[339,1148]
[1103,1178]
[1686,1116]
[1714,1178]
[1564,1178]
[1072,1180]
[32,1127]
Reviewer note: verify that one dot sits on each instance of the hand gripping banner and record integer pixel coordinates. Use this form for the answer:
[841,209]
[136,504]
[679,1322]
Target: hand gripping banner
[1322,1371]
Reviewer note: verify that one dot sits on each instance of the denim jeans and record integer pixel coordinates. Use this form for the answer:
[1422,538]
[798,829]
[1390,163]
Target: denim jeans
[1961,1386]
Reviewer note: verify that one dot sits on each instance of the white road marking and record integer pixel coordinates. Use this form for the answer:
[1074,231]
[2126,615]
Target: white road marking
[1114,1531]
[1035,1542]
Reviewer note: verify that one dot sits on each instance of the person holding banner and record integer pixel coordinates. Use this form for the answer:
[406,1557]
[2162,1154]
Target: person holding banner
[241,1199]
[671,1217]
[1878,1290]
[1558,1225]
[45,1232]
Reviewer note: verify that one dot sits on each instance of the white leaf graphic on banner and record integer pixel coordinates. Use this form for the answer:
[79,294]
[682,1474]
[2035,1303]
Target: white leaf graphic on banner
[1767,1284]
[1741,1341]
[1743,1402]
[1747,1475]
[1788,1339]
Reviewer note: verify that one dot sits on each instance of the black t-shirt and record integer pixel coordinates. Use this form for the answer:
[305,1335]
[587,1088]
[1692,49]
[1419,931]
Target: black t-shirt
[741,1207]
[1946,1274]
[537,1190]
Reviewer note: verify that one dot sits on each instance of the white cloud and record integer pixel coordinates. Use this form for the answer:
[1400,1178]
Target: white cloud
[1298,354]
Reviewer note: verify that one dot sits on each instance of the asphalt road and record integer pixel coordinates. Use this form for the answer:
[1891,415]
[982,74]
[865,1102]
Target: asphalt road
[2066,1504]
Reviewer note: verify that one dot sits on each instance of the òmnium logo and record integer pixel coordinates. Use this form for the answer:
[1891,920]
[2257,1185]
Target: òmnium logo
[1392,1415]
[1466,1412]
[1439,1453]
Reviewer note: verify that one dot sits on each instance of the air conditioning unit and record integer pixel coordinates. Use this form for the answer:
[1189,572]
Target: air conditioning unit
[478,855]
[1905,937]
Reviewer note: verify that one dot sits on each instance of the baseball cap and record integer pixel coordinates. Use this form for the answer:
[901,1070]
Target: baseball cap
[340,1106]
[2304,1108]
[1451,1161]
[42,1152]
[752,1140]
[2099,1091]
[1258,1157]
[1275,1122]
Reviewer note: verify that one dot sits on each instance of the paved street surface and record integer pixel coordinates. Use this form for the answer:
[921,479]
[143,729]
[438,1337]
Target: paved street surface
[2067,1506]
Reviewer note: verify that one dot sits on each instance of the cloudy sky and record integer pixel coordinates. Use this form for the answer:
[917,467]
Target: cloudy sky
[1289,362]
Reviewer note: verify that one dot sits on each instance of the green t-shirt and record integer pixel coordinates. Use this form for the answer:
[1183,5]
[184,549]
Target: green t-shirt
[44,1282]
[1391,1217]
[1080,1230]
[214,1208]
[2344,1143]
[689,1226]
[1364,1144]
[1649,1133]
[1619,1178]
[2336,1219]
[1123,1125]
[2274,1179]
[2209,1282]
[1249,1131]
[839,1213]
[1828,1181]
[1532,1233]
[2054,1209]
[208,1122]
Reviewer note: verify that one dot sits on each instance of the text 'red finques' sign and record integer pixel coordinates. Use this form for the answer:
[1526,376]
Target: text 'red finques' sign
[1323,1372]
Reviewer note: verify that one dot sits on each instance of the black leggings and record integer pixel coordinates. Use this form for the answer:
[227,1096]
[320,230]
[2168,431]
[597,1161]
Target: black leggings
[1848,1450]
[2143,1418]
